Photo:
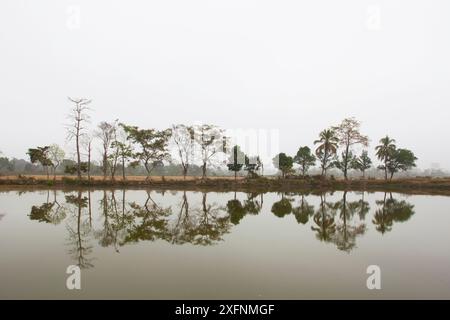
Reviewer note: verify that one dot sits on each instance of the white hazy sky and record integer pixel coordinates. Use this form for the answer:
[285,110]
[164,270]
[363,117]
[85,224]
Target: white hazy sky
[296,66]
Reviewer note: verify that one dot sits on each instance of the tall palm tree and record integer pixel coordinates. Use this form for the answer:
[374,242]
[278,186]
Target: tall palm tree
[328,144]
[384,151]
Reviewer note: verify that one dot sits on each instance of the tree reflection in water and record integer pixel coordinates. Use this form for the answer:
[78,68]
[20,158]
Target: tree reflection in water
[391,210]
[253,205]
[324,220]
[149,222]
[304,211]
[346,229]
[212,223]
[116,219]
[204,222]
[49,211]
[79,231]
[362,207]
[283,207]
[237,210]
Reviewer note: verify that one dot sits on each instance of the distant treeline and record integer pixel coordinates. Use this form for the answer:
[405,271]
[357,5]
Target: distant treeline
[20,166]
[205,149]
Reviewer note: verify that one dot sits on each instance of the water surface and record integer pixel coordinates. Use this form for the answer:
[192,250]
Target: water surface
[139,244]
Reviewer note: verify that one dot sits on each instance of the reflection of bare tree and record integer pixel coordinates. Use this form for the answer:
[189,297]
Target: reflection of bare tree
[390,211]
[122,219]
[212,225]
[201,226]
[49,211]
[303,211]
[106,235]
[345,237]
[90,208]
[78,235]
[183,231]
[324,221]
[117,218]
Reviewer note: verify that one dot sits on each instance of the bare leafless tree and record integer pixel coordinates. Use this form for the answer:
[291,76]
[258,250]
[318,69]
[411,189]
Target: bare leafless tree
[56,156]
[211,141]
[183,137]
[76,128]
[349,135]
[87,145]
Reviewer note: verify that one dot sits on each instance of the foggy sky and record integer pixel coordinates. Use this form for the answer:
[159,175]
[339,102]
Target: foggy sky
[296,66]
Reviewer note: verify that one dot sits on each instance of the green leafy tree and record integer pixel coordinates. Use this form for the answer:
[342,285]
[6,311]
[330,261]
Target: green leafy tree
[236,160]
[384,151]
[327,148]
[362,163]
[283,163]
[152,144]
[340,163]
[401,160]
[41,155]
[73,168]
[125,151]
[348,135]
[305,159]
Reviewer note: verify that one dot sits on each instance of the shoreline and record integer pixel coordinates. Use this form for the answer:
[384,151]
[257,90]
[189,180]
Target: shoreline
[437,186]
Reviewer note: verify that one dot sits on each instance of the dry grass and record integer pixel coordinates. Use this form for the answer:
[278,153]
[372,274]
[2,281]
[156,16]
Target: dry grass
[128,178]
[412,181]
[422,185]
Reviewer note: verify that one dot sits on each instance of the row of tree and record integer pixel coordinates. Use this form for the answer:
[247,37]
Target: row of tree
[345,136]
[124,145]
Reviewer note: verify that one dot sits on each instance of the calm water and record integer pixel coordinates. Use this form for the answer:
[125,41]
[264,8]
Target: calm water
[180,245]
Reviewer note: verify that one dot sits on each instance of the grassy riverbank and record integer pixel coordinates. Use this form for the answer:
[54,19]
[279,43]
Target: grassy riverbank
[262,184]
